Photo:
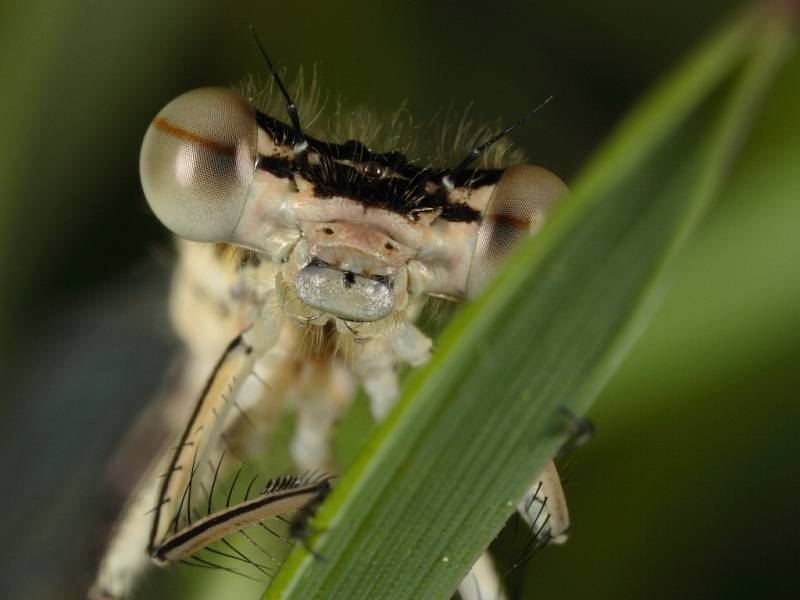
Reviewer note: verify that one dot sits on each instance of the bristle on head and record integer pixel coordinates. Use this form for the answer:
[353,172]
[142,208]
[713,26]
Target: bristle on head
[440,143]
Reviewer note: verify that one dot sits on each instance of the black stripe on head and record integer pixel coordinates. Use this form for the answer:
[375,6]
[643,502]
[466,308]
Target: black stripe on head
[407,190]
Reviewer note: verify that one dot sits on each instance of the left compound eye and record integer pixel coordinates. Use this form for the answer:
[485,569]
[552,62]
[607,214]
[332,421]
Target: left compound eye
[198,161]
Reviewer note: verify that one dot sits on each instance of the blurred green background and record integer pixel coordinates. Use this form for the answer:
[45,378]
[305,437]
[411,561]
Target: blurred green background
[689,488]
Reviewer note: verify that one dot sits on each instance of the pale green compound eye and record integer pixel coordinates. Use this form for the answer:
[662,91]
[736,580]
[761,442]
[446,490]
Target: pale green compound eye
[198,161]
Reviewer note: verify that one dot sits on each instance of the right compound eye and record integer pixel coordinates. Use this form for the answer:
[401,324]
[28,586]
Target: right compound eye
[517,208]
[198,161]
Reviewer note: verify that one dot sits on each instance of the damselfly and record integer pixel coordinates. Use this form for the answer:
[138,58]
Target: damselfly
[303,267]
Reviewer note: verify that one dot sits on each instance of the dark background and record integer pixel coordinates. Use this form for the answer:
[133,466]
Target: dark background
[690,487]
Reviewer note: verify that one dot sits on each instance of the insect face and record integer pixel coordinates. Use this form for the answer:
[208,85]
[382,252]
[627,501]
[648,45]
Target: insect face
[360,234]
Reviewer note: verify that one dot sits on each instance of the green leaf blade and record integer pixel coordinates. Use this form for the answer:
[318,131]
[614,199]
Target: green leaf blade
[440,476]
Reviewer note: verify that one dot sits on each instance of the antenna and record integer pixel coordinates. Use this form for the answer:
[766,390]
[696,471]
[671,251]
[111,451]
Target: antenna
[475,153]
[300,143]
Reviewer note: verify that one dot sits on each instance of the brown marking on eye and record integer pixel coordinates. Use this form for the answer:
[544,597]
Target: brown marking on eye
[389,246]
[510,221]
[328,230]
[192,137]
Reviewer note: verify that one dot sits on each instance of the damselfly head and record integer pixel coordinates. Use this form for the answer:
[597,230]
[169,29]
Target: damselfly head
[359,234]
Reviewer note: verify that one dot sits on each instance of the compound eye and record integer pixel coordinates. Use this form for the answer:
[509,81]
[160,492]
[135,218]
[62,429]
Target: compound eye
[515,211]
[198,162]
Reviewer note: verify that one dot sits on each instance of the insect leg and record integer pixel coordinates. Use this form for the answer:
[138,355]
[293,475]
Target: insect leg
[279,497]
[324,391]
[125,560]
[581,430]
[482,582]
[544,507]
[166,486]
[212,415]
